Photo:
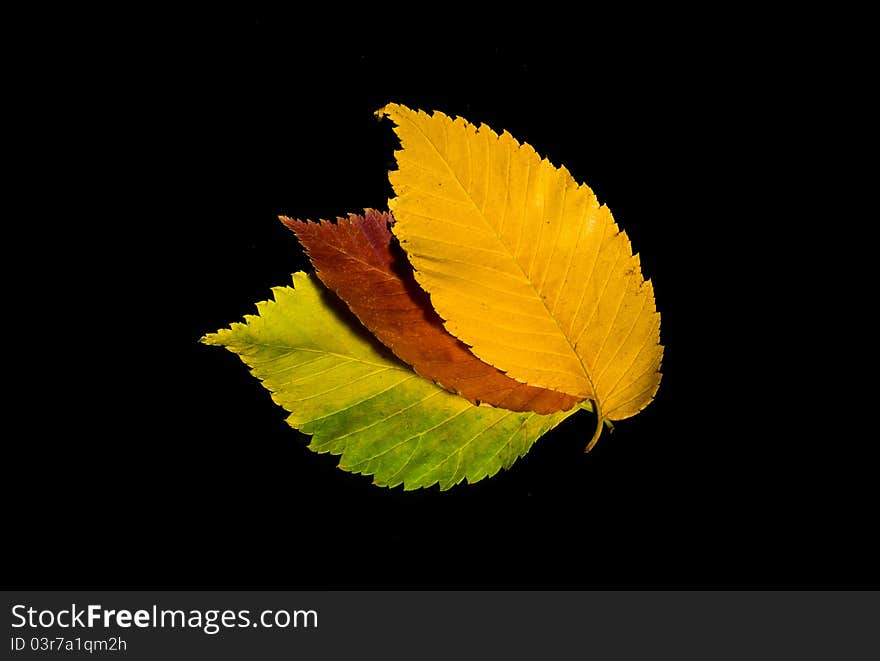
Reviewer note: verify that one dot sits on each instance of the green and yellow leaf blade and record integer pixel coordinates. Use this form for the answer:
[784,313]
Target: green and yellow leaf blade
[357,400]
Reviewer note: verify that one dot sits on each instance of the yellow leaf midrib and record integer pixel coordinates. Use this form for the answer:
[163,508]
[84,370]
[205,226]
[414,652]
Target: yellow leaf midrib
[495,233]
[291,349]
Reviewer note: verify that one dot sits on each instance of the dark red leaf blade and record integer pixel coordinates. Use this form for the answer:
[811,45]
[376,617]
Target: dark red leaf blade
[359,259]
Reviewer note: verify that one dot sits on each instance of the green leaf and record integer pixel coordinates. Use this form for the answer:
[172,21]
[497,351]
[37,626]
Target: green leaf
[357,400]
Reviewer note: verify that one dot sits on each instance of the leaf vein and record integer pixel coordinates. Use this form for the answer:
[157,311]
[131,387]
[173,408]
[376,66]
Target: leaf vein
[634,325]
[462,448]
[344,385]
[359,402]
[386,419]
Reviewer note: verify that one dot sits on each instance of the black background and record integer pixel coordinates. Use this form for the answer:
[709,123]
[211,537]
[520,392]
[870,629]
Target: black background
[147,459]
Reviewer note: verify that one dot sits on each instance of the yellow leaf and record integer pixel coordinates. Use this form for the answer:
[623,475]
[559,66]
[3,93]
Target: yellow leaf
[523,264]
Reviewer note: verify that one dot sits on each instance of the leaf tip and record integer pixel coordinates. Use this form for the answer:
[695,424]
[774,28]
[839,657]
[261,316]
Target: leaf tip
[290,223]
[212,339]
[387,110]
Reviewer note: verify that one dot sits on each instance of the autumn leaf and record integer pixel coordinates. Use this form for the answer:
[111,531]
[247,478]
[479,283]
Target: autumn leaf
[356,400]
[356,259]
[523,264]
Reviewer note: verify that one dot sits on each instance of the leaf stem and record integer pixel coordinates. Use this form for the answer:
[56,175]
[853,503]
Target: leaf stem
[599,425]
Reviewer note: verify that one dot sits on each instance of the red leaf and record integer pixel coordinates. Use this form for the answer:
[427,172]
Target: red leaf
[358,260]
